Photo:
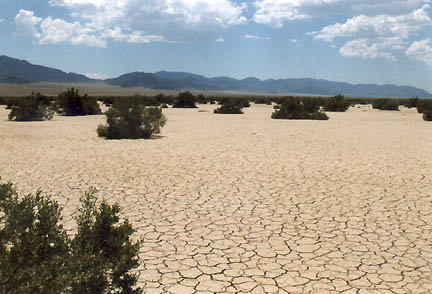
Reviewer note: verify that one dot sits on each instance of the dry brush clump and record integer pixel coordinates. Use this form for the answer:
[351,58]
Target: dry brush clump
[131,119]
[35,107]
[385,104]
[336,103]
[71,103]
[296,108]
[231,106]
[425,107]
[185,100]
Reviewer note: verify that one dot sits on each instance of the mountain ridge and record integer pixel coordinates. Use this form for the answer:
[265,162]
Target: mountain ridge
[22,72]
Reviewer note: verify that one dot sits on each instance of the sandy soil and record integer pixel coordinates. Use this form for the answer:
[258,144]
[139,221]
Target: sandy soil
[243,203]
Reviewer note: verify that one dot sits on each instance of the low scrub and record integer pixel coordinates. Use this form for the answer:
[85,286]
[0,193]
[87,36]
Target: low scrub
[185,100]
[230,106]
[35,107]
[336,103]
[71,103]
[37,255]
[296,108]
[130,119]
[385,104]
[425,107]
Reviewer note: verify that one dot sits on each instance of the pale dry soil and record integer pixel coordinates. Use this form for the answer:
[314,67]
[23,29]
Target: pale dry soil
[244,203]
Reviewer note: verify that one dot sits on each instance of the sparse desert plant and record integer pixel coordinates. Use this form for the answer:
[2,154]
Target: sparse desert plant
[424,105]
[37,256]
[130,119]
[336,104]
[427,115]
[201,99]
[35,107]
[230,106]
[412,102]
[71,103]
[185,100]
[385,104]
[294,108]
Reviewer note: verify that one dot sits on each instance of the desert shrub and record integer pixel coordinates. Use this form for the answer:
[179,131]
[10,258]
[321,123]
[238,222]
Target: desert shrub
[201,99]
[102,251]
[294,108]
[130,119]
[230,106]
[37,256]
[336,104]
[35,107]
[261,100]
[71,103]
[427,115]
[385,104]
[311,105]
[185,100]
[34,252]
[424,105]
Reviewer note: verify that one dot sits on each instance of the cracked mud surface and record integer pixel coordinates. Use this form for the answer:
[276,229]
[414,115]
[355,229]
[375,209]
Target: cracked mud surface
[243,203]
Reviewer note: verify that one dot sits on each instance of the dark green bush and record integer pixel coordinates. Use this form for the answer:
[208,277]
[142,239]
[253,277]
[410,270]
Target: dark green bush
[71,103]
[427,115]
[230,106]
[412,102]
[294,108]
[131,119]
[424,105]
[385,104]
[336,104]
[37,256]
[32,108]
[201,99]
[185,100]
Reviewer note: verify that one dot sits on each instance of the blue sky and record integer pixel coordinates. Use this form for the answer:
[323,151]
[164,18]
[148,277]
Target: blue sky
[357,41]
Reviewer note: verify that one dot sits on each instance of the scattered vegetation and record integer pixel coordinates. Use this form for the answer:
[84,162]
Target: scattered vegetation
[230,106]
[425,107]
[296,108]
[130,119]
[35,107]
[71,103]
[385,104]
[37,256]
[336,104]
[185,100]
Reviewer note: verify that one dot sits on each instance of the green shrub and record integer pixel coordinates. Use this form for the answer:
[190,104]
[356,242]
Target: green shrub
[427,115]
[230,106]
[385,104]
[412,102]
[424,105]
[32,108]
[294,108]
[185,100]
[71,103]
[130,119]
[37,256]
[336,104]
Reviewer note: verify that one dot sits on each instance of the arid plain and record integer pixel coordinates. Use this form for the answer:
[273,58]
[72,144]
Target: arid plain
[244,203]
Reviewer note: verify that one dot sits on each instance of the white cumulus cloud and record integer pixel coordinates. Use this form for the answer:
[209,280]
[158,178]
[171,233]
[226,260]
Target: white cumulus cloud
[255,37]
[170,20]
[276,12]
[421,51]
[26,23]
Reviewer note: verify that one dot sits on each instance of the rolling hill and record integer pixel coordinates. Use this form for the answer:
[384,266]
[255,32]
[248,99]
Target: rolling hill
[15,71]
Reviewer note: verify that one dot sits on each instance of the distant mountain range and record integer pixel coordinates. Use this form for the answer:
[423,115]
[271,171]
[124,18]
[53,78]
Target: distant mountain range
[22,72]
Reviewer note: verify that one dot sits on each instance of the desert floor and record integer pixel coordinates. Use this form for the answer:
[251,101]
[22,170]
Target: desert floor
[244,203]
